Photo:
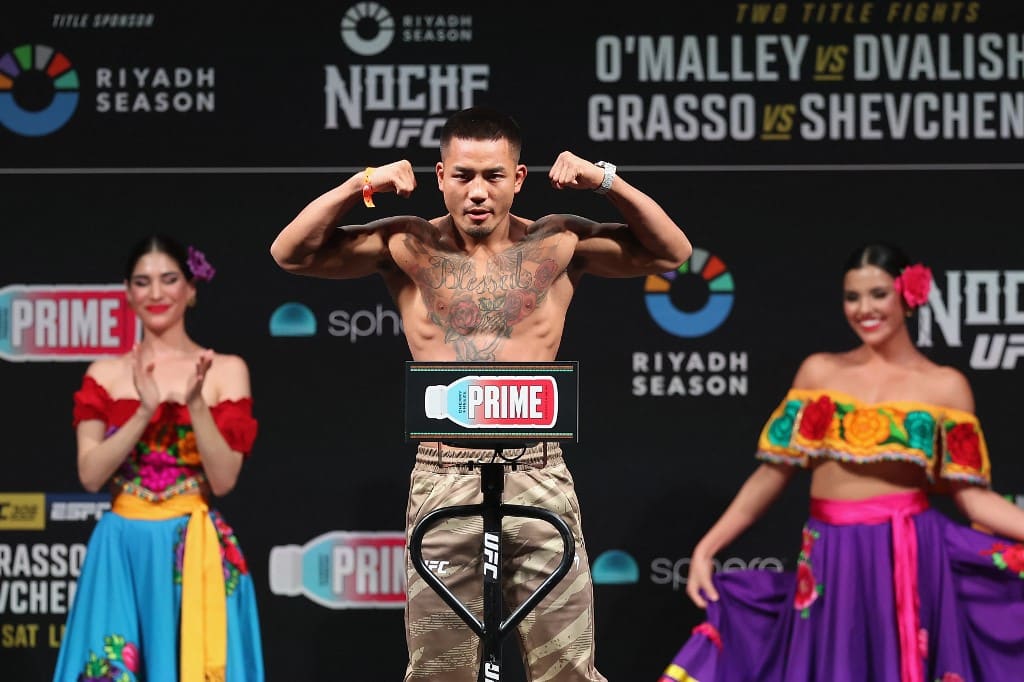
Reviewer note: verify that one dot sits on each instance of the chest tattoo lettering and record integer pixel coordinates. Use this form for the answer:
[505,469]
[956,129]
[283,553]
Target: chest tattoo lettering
[478,310]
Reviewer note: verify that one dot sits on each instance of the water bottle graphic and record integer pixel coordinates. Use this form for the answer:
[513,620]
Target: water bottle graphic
[495,401]
[73,322]
[343,570]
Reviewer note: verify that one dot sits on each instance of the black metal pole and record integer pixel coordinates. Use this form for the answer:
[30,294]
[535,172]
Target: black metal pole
[493,630]
[492,484]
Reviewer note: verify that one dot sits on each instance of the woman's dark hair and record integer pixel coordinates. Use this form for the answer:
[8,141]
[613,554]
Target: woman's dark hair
[890,258]
[158,243]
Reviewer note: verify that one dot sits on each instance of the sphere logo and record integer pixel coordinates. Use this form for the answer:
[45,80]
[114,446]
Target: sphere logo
[704,274]
[292,319]
[367,28]
[615,567]
[38,90]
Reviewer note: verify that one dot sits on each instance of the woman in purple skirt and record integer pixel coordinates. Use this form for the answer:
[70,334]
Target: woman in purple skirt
[886,589]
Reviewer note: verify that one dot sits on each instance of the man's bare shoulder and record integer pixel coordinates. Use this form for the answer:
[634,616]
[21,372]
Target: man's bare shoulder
[393,225]
[415,235]
[582,227]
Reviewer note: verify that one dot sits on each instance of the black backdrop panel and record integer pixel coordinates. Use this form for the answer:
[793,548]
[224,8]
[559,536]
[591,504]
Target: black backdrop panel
[670,407]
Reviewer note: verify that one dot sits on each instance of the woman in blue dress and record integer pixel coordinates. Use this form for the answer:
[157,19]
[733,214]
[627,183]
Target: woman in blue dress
[165,593]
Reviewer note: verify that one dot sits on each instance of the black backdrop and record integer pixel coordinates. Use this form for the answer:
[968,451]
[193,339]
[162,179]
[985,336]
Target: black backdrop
[252,143]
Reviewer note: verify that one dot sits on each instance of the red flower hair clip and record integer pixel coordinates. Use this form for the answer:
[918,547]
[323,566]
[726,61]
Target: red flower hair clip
[914,282]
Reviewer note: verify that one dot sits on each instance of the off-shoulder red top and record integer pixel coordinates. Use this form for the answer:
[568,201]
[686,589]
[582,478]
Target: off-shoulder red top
[165,461]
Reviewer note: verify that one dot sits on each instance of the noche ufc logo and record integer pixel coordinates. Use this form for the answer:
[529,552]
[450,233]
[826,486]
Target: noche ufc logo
[401,105]
[65,322]
[343,570]
[989,299]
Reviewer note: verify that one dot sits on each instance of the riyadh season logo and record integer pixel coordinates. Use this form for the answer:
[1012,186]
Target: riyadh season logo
[690,302]
[297,319]
[368,28]
[991,301]
[38,90]
[667,296]
[407,104]
[161,89]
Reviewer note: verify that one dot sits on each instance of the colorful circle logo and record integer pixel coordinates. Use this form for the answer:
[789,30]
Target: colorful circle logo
[367,28]
[38,90]
[710,275]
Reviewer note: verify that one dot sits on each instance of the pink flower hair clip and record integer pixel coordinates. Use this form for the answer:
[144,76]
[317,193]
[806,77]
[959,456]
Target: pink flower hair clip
[914,282]
[200,267]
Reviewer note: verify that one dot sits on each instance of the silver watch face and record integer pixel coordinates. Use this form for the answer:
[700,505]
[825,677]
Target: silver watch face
[609,174]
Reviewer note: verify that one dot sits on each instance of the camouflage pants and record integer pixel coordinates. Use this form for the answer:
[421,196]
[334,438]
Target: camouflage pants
[557,636]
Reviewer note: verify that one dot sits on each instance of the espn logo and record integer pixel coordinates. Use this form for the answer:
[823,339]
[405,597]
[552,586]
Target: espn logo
[77,506]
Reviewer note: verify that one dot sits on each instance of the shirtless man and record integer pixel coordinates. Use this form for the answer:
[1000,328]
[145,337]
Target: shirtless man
[482,284]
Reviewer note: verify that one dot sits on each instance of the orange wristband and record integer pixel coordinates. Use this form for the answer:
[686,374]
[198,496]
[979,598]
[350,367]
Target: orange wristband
[367,187]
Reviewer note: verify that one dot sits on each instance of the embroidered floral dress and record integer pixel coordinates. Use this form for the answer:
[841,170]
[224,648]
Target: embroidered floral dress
[886,589]
[125,620]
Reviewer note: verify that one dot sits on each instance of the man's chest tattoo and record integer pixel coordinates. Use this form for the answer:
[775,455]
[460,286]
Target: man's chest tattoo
[478,306]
